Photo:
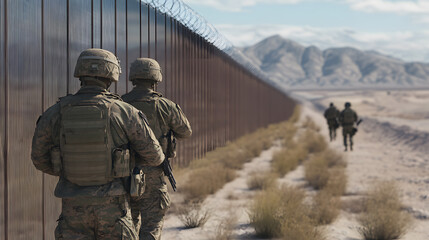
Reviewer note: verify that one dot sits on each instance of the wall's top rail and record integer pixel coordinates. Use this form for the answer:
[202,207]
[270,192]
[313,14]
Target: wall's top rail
[198,24]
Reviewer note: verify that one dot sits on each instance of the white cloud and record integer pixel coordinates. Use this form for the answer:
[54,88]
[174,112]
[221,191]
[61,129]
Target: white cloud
[401,7]
[237,5]
[406,45]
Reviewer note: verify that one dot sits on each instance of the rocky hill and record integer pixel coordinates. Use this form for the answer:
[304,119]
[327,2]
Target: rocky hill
[291,65]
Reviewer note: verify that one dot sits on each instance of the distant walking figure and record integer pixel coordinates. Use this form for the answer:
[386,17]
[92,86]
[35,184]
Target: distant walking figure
[348,118]
[331,114]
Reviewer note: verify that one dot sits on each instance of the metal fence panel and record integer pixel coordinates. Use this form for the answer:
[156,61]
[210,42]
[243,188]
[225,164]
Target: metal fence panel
[24,74]
[54,86]
[3,118]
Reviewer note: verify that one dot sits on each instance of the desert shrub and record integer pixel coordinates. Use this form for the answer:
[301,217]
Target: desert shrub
[382,218]
[288,159]
[317,172]
[257,181]
[192,216]
[325,208]
[310,124]
[337,181]
[264,215]
[333,158]
[207,175]
[205,181]
[282,213]
[224,231]
[313,141]
[326,170]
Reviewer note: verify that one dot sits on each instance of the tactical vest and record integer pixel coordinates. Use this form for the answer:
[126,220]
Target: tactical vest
[150,107]
[348,116]
[331,113]
[88,155]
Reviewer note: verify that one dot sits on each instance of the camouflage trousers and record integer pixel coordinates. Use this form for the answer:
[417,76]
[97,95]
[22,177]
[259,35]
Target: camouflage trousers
[332,125]
[348,131]
[91,218]
[149,211]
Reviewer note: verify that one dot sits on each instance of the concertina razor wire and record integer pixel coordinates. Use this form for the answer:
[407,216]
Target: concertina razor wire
[183,13]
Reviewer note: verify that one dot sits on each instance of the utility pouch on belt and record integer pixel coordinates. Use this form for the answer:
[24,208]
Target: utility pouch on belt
[121,162]
[56,160]
[138,183]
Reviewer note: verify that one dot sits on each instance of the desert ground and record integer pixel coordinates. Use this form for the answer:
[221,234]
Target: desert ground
[391,144]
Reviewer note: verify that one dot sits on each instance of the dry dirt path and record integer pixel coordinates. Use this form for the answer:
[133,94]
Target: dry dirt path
[230,201]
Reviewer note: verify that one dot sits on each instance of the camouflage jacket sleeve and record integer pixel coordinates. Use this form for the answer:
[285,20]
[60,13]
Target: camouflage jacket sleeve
[44,139]
[177,120]
[355,116]
[128,119]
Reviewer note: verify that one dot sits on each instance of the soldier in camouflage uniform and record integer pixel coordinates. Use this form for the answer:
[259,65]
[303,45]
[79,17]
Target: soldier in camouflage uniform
[331,114]
[85,139]
[163,116]
[348,118]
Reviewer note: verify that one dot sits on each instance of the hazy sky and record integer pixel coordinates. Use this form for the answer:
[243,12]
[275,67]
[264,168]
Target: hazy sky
[398,28]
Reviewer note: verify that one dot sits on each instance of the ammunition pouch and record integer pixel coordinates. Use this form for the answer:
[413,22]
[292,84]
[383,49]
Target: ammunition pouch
[137,183]
[121,162]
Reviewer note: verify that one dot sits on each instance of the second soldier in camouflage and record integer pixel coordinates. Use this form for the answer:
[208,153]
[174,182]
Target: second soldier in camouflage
[163,116]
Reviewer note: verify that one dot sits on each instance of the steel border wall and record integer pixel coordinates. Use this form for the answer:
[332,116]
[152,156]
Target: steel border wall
[39,43]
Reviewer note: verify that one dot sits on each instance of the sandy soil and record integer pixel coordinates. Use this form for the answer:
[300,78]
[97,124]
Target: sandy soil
[392,144]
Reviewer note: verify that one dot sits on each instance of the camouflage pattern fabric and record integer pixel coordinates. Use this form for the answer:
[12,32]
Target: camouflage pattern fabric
[89,218]
[347,119]
[127,126]
[331,115]
[96,212]
[149,211]
[155,201]
[348,131]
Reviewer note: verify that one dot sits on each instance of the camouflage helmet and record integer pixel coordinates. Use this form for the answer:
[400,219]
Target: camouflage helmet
[145,69]
[347,104]
[95,62]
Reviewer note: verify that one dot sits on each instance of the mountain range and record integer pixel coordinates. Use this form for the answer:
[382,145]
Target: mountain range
[293,66]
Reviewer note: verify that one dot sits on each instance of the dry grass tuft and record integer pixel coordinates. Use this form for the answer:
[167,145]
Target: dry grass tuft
[207,175]
[224,230]
[333,158]
[317,172]
[258,181]
[288,159]
[314,141]
[205,181]
[282,213]
[327,170]
[310,124]
[325,208]
[192,216]
[337,182]
[383,218]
